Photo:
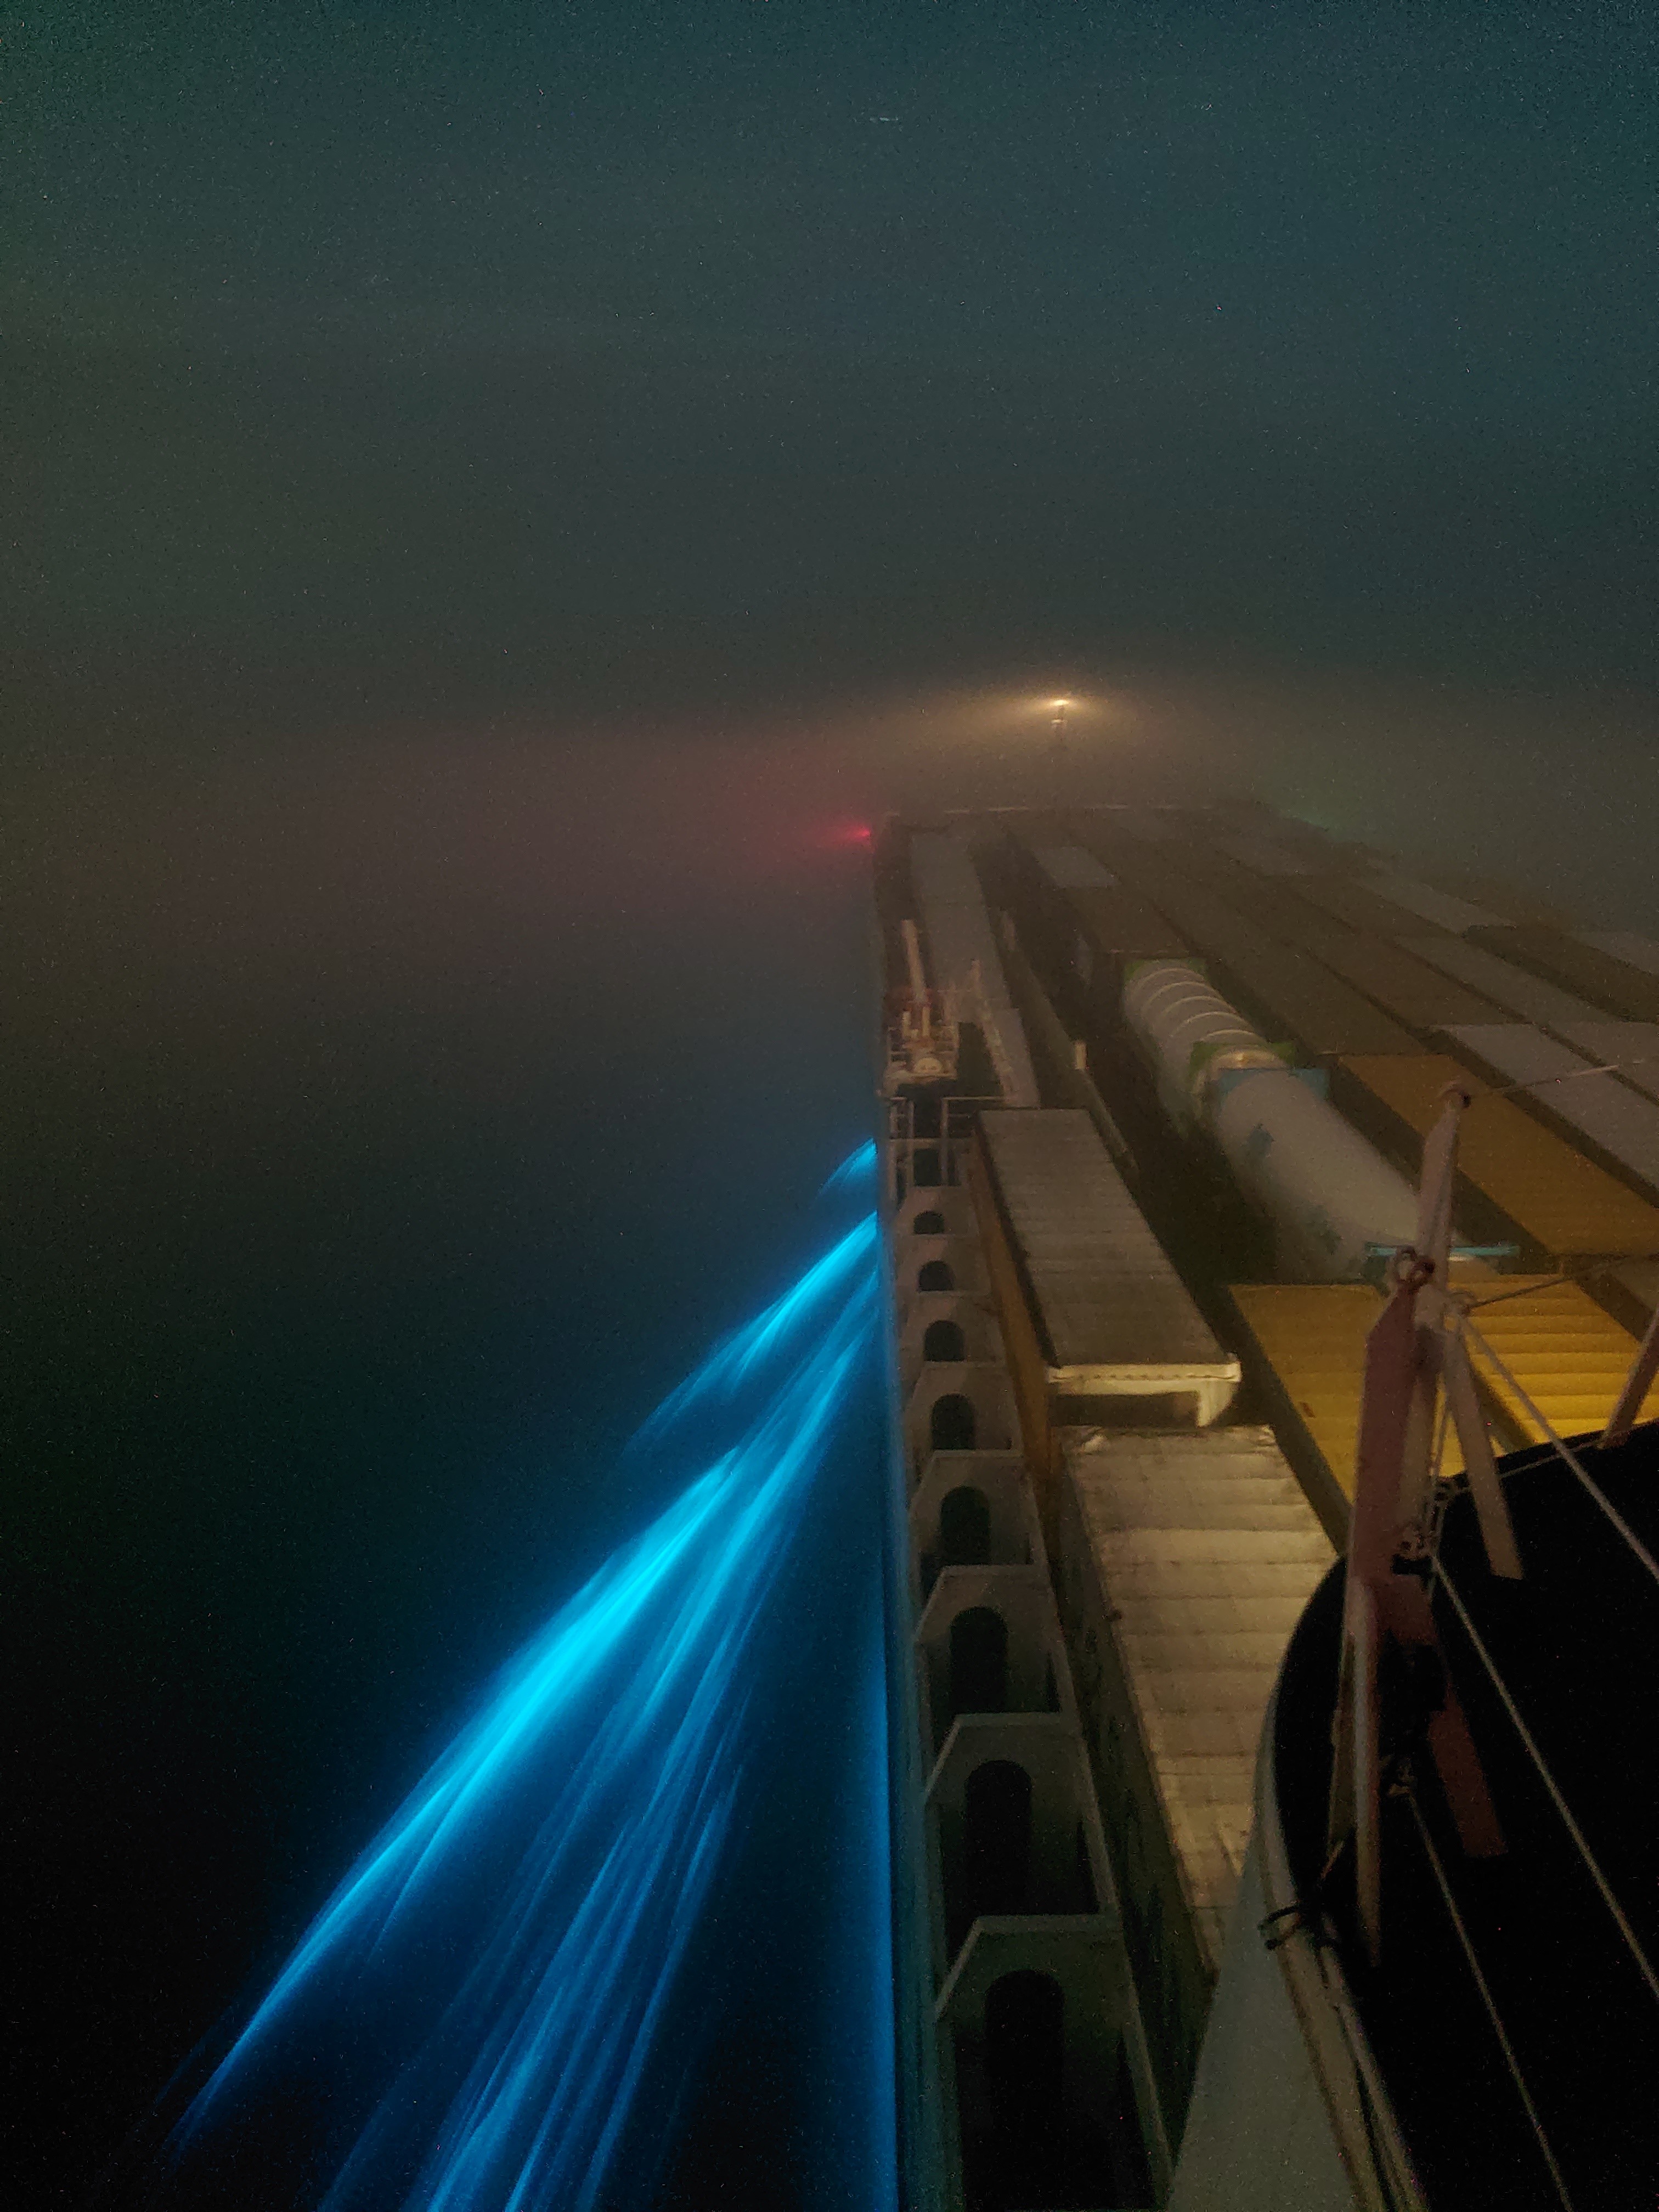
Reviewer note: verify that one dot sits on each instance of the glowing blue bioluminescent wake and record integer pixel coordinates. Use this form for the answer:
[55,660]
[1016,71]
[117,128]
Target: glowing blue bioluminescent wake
[489,1983]
[854,1171]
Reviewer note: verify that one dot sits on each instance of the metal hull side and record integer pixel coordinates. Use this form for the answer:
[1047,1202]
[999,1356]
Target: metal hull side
[1258,2136]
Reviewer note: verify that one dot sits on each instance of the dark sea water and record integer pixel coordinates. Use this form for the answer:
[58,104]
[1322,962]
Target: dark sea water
[396,1118]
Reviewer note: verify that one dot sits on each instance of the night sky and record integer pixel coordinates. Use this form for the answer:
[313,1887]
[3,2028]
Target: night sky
[703,359]
[488,496]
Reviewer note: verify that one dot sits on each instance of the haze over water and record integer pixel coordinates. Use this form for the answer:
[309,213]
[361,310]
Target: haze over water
[494,498]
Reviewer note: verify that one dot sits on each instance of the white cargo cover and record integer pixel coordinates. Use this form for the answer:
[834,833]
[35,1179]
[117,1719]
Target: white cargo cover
[1071,869]
[1608,1112]
[1625,944]
[1631,1047]
[1438,907]
[1202,1551]
[1544,1004]
[1117,1319]
[962,946]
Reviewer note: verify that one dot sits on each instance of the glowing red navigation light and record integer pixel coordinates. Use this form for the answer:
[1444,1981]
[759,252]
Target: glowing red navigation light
[845,836]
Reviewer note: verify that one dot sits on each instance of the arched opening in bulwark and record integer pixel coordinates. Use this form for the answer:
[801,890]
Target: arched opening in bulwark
[944,1340]
[978,1661]
[951,1425]
[996,1838]
[964,1528]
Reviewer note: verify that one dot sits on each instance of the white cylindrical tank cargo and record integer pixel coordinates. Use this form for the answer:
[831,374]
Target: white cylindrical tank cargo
[1336,1206]
[1191,1030]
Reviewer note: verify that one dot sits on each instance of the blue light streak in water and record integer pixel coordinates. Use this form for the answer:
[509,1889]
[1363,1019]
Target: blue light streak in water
[855,1171]
[487,1994]
[736,1360]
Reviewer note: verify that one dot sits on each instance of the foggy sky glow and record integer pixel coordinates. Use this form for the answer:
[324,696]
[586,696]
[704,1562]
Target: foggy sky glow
[607,359]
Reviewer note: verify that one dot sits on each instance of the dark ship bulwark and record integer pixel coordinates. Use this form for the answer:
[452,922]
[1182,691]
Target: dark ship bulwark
[1274,1244]
[1502,2048]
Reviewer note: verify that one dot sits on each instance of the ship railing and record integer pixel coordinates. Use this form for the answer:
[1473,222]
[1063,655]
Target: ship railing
[1571,1457]
[1392,1363]
[1617,1429]
[941,1127]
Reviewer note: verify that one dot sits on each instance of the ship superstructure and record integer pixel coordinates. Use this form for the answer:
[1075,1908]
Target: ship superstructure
[1268,1263]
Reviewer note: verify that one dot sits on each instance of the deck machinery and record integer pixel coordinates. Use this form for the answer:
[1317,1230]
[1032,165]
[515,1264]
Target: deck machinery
[1273,1256]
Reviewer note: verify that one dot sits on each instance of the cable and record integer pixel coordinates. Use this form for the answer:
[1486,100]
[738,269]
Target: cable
[1568,1075]
[1632,1942]
[1537,1081]
[1550,1282]
[1637,1547]
[1489,2001]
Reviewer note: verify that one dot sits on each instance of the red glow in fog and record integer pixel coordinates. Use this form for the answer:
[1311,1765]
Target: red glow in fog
[844,836]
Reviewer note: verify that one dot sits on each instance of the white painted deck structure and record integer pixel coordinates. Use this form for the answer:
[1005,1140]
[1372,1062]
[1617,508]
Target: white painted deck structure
[1117,1319]
[965,959]
[1197,1554]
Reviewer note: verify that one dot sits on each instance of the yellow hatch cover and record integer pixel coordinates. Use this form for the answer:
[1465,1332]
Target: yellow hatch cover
[1569,1357]
[1313,1336]
[1565,1203]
